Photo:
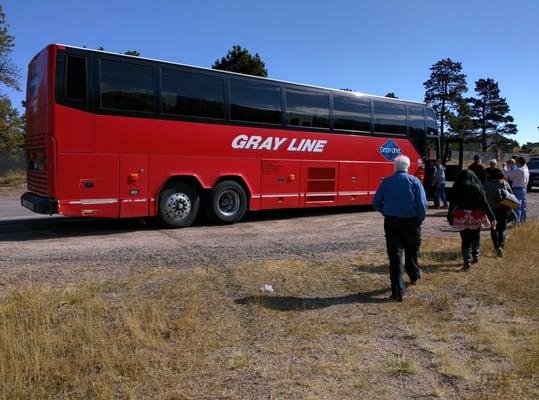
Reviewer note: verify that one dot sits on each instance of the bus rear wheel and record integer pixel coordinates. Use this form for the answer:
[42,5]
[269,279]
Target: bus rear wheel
[178,206]
[227,202]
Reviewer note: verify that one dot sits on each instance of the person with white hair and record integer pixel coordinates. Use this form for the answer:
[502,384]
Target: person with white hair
[402,201]
[491,167]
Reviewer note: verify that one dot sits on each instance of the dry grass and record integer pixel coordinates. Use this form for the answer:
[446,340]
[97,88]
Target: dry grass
[13,178]
[326,332]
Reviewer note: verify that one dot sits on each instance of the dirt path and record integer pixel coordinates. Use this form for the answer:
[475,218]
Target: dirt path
[68,249]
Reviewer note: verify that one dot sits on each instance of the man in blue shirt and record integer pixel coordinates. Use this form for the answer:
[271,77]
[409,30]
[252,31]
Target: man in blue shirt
[401,199]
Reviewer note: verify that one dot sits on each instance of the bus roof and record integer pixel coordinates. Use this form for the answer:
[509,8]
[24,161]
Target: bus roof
[240,74]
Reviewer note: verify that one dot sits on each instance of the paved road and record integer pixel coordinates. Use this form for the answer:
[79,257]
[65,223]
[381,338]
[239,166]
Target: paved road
[58,248]
[11,209]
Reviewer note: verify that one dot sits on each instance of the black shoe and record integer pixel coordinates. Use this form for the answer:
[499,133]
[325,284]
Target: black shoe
[397,297]
[414,281]
[475,260]
[466,266]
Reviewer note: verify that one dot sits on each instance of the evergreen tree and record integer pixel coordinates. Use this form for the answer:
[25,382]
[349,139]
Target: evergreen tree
[11,127]
[240,60]
[132,53]
[391,95]
[444,89]
[491,113]
[9,72]
[11,123]
[461,122]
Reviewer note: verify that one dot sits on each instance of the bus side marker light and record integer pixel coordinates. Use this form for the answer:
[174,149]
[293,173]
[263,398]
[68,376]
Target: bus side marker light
[291,178]
[133,178]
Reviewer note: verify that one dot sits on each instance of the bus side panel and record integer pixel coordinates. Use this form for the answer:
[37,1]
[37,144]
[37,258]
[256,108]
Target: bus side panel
[377,172]
[88,185]
[74,130]
[280,184]
[207,170]
[353,183]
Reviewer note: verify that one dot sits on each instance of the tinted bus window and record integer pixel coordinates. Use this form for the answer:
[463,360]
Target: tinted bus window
[255,102]
[416,121]
[351,113]
[416,127]
[307,108]
[431,122]
[389,117]
[126,86]
[192,94]
[75,82]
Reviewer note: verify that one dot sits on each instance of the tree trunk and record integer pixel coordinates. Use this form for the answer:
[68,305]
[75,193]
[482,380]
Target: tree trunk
[484,139]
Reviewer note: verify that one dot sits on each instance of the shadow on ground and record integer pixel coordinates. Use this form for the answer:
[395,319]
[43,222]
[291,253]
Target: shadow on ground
[60,227]
[290,303]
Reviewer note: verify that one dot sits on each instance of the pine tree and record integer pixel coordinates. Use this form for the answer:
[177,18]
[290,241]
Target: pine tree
[391,95]
[461,123]
[444,89]
[11,123]
[491,113]
[132,53]
[9,72]
[11,127]
[240,60]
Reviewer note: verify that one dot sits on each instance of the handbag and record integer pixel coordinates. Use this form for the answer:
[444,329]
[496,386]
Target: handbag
[508,199]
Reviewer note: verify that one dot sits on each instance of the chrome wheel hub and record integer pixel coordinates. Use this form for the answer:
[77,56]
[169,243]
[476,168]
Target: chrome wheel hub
[229,202]
[178,206]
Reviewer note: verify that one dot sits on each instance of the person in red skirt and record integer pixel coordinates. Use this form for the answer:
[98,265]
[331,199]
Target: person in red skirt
[468,212]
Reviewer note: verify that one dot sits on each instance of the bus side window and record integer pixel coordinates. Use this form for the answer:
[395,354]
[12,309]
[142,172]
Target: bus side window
[307,108]
[351,113]
[192,94]
[431,122]
[416,127]
[75,79]
[255,101]
[389,117]
[126,86]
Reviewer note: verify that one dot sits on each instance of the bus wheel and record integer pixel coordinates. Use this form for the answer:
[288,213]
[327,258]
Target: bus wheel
[227,203]
[178,206]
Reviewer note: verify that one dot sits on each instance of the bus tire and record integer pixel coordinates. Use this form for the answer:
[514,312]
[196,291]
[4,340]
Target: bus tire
[178,206]
[227,203]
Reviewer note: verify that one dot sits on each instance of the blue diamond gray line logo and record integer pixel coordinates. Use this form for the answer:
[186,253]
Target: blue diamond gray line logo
[389,150]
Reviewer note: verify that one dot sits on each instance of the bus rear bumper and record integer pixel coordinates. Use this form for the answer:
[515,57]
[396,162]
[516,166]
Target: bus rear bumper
[39,204]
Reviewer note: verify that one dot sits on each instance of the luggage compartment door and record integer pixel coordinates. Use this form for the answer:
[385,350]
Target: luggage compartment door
[320,183]
[280,184]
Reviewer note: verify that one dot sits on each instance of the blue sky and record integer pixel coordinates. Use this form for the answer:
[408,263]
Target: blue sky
[373,47]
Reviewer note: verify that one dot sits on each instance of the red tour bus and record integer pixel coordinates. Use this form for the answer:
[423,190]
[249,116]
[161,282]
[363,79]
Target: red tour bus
[112,135]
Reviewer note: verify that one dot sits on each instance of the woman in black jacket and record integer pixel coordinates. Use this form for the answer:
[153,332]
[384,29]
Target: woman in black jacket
[496,181]
[468,212]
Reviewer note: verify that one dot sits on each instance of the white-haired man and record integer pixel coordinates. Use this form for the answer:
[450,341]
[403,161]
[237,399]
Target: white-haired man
[402,200]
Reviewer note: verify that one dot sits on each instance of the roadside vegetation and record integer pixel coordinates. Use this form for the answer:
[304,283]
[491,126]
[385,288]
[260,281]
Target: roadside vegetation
[326,331]
[13,178]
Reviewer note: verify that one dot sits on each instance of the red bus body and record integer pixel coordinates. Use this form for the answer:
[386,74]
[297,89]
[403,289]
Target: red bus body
[98,165]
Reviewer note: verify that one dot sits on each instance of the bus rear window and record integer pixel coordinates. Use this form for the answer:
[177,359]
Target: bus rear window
[75,86]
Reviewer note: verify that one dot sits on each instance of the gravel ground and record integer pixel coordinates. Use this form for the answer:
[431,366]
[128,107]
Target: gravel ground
[62,250]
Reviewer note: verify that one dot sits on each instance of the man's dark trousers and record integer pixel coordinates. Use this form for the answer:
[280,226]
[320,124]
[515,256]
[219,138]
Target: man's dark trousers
[402,234]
